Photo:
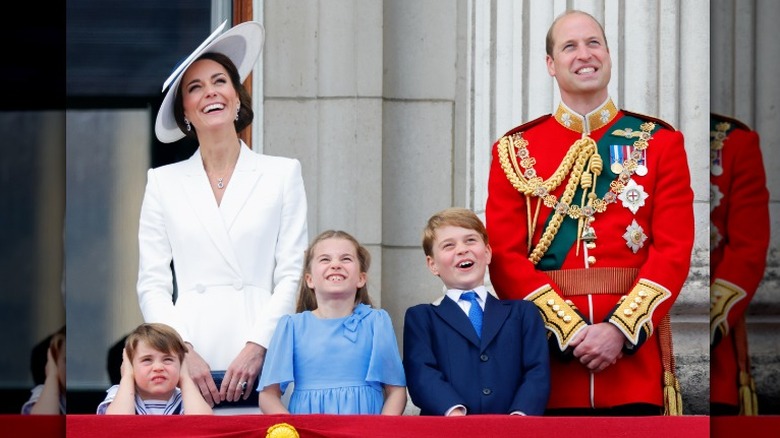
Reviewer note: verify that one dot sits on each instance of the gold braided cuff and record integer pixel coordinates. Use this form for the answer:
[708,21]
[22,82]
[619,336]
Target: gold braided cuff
[559,316]
[635,310]
[723,296]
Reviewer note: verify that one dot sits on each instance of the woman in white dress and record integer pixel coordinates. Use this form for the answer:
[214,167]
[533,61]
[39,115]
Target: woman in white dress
[231,221]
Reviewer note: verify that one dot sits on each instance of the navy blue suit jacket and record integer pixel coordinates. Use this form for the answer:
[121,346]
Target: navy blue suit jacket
[446,364]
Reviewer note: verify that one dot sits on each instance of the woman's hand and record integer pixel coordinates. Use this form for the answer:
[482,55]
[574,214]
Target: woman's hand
[200,373]
[241,374]
[192,400]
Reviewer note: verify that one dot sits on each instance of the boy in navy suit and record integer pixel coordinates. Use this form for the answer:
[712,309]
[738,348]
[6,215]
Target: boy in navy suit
[461,357]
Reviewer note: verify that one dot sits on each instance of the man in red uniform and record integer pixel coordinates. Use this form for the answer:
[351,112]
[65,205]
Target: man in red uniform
[590,213]
[739,238]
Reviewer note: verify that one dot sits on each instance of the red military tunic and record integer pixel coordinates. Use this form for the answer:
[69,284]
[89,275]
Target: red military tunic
[629,275]
[739,238]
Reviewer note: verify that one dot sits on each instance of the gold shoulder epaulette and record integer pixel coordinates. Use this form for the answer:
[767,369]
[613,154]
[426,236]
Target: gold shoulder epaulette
[739,124]
[651,119]
[525,126]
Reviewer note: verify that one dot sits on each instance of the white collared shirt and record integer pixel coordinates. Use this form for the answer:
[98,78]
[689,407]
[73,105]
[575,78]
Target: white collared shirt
[455,294]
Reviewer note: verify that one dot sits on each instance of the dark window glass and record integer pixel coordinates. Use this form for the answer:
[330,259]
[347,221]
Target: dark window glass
[127,48]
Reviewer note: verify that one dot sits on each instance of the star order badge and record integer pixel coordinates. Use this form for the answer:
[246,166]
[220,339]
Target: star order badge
[635,236]
[715,196]
[633,196]
[715,237]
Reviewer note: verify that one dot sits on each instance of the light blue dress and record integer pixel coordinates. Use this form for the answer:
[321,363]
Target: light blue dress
[338,365]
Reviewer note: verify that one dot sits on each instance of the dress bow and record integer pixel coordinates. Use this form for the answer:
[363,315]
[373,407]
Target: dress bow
[351,322]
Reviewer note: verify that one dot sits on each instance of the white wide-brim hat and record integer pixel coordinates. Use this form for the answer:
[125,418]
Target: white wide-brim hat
[241,43]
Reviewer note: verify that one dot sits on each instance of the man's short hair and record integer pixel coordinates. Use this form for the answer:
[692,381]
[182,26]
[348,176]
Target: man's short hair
[549,43]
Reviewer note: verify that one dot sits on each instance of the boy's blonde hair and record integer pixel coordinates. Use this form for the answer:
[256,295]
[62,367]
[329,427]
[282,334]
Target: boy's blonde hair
[161,337]
[306,298]
[455,217]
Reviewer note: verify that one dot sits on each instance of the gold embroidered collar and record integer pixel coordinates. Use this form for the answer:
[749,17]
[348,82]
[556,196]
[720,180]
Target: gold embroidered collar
[588,123]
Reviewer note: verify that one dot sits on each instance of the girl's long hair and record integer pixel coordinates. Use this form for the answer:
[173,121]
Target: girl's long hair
[306,298]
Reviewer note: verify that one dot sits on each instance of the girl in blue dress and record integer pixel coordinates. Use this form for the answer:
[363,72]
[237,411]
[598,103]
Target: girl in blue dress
[340,353]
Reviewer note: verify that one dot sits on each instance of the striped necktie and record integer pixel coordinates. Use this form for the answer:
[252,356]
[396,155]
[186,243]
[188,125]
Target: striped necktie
[475,312]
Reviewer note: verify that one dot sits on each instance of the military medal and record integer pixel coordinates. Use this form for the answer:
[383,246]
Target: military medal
[716,162]
[616,158]
[716,170]
[619,153]
[641,160]
[633,196]
[635,236]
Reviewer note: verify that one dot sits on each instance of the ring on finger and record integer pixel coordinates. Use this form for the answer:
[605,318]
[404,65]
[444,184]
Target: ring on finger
[241,386]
